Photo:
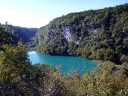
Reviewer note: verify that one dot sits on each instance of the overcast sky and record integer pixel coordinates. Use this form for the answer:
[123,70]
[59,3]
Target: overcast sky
[38,13]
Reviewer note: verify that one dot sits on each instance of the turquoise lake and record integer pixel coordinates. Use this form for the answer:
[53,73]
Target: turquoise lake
[67,62]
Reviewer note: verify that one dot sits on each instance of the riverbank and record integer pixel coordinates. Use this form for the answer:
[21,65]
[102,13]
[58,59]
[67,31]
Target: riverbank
[102,62]
[95,61]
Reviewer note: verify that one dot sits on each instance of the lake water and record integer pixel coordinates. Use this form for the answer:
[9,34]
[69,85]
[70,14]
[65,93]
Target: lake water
[67,62]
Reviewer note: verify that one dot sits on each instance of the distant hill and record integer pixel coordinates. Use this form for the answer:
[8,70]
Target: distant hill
[25,34]
[94,34]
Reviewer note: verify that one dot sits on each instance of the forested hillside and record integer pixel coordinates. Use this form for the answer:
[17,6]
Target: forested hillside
[23,33]
[18,77]
[94,34]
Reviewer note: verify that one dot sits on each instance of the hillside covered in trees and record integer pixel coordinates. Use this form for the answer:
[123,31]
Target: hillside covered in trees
[25,34]
[94,34]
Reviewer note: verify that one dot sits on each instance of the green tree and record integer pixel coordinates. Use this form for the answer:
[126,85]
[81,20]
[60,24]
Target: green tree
[72,48]
[6,35]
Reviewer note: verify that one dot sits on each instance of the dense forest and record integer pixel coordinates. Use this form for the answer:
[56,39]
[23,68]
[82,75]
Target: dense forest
[18,77]
[94,34]
[23,33]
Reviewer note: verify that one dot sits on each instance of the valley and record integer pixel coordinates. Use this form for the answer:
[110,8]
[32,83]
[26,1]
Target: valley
[78,54]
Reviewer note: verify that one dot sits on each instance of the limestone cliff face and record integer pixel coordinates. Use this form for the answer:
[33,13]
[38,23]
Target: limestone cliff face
[65,32]
[52,33]
[68,36]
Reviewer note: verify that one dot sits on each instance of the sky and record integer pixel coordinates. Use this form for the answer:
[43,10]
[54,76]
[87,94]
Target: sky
[38,13]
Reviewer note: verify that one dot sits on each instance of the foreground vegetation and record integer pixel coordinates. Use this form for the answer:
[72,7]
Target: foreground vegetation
[18,77]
